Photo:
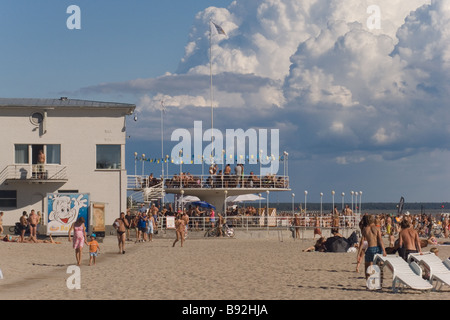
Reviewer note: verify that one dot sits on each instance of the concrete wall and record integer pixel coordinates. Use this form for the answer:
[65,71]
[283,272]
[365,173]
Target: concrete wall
[78,131]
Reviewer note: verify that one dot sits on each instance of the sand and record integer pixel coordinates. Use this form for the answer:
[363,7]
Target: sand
[204,269]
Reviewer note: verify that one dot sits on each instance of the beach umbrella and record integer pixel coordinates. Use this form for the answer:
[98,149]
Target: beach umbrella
[203,204]
[244,197]
[189,199]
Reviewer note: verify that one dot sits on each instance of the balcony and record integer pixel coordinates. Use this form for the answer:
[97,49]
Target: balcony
[48,173]
[208,182]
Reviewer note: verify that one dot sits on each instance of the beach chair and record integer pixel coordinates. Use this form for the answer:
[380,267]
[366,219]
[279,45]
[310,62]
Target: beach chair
[438,270]
[403,274]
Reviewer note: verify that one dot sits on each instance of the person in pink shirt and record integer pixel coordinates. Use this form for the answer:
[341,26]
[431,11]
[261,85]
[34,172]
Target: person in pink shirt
[79,237]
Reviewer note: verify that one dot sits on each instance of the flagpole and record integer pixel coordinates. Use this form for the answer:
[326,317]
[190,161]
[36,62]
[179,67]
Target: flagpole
[162,154]
[211,89]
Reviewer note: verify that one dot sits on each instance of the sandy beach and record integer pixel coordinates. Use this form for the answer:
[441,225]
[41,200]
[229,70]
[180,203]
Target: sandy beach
[204,269]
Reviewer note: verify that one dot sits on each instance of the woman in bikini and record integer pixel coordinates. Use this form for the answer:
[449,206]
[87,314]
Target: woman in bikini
[180,230]
[121,224]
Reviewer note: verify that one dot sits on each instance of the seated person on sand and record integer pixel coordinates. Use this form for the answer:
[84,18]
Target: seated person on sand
[432,240]
[319,246]
[335,232]
[9,238]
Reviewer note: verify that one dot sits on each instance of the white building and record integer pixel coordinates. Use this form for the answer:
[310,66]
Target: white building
[84,147]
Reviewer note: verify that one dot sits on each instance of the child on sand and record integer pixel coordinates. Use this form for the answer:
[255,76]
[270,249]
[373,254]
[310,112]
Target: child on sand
[93,249]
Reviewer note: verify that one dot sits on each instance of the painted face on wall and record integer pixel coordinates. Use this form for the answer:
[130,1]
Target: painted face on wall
[62,212]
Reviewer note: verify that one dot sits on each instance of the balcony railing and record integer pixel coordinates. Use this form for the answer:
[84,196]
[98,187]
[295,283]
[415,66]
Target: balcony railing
[212,181]
[34,172]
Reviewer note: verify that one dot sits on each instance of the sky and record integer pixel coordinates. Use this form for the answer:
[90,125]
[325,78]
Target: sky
[358,90]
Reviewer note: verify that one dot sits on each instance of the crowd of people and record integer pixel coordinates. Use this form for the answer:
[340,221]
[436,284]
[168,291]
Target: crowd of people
[406,234]
[145,221]
[28,224]
[226,179]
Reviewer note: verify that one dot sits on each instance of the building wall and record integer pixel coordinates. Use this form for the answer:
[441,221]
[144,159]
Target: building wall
[78,131]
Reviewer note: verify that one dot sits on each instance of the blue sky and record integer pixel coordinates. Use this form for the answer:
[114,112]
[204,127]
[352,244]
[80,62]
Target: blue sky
[359,106]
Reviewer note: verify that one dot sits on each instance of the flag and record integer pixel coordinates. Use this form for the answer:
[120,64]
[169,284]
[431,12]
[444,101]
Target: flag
[219,29]
[400,205]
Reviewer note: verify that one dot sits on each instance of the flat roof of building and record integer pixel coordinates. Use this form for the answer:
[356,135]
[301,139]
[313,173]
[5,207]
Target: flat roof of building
[61,102]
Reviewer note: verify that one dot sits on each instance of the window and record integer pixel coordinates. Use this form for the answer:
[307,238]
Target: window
[8,198]
[108,156]
[54,153]
[36,118]
[21,153]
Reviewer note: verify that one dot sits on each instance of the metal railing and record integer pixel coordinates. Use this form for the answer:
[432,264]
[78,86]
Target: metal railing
[138,182]
[26,172]
[273,222]
[211,181]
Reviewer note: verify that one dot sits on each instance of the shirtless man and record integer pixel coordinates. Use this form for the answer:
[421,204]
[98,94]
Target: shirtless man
[154,212]
[336,221]
[180,229]
[297,226]
[408,239]
[33,220]
[221,222]
[185,217]
[40,166]
[226,174]
[120,224]
[23,226]
[372,235]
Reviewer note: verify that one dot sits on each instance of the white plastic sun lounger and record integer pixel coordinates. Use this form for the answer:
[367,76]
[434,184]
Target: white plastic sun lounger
[439,270]
[404,274]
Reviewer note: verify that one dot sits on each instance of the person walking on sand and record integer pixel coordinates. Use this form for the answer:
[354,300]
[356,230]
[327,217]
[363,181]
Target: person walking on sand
[180,228]
[142,228]
[372,235]
[121,224]
[317,230]
[185,217]
[94,247]
[151,226]
[212,218]
[363,245]
[79,238]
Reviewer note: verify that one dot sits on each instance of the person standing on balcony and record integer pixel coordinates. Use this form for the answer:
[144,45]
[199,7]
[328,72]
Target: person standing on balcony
[238,172]
[40,165]
[226,174]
